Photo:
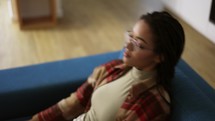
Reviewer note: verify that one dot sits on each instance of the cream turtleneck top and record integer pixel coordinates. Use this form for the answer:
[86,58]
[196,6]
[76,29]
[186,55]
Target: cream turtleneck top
[107,99]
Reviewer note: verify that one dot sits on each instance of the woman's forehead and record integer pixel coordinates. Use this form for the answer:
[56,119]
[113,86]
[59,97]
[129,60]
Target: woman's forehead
[143,30]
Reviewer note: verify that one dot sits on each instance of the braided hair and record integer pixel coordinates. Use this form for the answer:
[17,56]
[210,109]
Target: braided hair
[169,40]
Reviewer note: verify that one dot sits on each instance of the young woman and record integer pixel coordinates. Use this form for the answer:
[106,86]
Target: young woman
[135,88]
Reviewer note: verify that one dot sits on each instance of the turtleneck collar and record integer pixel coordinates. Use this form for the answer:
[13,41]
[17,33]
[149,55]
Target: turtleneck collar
[141,74]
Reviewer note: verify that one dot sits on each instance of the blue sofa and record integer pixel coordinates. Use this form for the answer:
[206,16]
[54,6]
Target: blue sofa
[25,91]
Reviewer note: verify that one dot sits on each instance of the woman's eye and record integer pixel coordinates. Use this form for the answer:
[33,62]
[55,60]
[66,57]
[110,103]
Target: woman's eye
[141,47]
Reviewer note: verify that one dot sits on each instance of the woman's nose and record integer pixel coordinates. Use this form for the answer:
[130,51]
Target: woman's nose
[129,45]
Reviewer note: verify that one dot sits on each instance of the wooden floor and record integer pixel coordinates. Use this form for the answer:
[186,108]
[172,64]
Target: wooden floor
[90,27]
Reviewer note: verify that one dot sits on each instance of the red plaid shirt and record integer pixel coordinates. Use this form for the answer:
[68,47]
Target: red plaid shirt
[145,101]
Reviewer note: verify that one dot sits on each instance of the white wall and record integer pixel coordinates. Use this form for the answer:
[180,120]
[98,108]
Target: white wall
[196,13]
[59,8]
[150,6]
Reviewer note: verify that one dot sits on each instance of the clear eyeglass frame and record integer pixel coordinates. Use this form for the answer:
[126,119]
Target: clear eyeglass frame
[135,45]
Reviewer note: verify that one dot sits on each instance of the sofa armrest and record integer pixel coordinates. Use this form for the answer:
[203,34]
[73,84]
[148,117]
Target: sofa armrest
[25,91]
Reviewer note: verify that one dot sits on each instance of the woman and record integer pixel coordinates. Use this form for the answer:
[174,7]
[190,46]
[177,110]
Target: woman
[135,88]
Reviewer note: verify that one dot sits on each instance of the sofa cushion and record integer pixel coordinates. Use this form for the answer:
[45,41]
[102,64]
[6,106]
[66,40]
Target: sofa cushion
[197,79]
[188,99]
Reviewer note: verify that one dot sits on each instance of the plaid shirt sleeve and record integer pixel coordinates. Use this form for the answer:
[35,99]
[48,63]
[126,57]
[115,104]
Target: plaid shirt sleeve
[68,108]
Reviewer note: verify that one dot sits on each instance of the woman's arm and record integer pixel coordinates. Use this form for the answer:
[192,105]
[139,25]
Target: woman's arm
[66,109]
[72,106]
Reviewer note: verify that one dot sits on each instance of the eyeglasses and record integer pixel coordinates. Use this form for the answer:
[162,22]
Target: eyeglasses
[129,38]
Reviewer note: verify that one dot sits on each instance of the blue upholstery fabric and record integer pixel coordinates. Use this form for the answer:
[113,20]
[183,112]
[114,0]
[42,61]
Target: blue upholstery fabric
[188,99]
[196,79]
[27,90]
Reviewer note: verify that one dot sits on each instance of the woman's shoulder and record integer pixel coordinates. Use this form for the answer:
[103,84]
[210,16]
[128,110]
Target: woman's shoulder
[158,94]
[148,103]
[158,97]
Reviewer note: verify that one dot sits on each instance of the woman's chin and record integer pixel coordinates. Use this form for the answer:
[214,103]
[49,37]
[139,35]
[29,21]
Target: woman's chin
[126,61]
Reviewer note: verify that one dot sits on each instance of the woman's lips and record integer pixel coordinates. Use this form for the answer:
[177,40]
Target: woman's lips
[125,54]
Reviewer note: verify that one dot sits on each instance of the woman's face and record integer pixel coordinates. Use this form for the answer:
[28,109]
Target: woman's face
[139,48]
